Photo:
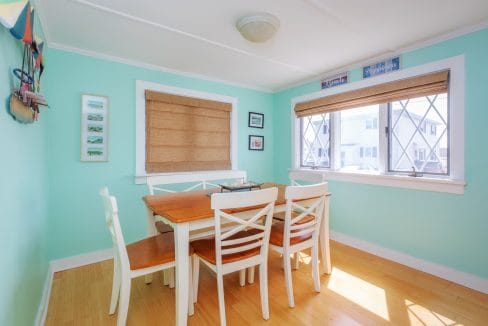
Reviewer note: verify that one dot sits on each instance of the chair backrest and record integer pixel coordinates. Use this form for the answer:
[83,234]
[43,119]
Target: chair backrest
[225,243]
[112,219]
[307,202]
[160,183]
[301,178]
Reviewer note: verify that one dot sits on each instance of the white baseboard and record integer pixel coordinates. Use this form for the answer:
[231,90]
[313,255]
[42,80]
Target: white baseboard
[46,294]
[469,280]
[81,260]
[61,265]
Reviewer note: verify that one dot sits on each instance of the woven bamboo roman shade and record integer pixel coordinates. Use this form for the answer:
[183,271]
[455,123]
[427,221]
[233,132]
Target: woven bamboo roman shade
[186,134]
[424,85]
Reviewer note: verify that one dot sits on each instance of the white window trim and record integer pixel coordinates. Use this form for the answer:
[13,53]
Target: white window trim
[454,184]
[141,87]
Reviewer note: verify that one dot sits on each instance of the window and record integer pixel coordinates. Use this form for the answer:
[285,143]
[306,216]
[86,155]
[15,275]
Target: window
[409,144]
[169,120]
[315,141]
[389,125]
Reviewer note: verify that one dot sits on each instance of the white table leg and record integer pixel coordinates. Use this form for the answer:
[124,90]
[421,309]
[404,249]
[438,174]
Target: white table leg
[182,235]
[324,240]
[151,230]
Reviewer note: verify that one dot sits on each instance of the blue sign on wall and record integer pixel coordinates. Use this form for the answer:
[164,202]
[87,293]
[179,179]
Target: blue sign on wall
[381,67]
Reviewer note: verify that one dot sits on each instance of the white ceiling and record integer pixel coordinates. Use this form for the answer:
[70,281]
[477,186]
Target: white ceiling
[198,37]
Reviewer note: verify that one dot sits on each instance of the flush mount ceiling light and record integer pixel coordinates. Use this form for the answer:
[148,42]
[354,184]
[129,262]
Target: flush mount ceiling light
[258,27]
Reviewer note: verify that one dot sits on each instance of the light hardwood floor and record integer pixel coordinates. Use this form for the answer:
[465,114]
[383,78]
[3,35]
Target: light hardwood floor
[362,290]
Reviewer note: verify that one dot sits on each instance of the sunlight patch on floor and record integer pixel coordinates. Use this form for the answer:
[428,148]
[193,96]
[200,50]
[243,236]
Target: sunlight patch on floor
[362,293]
[420,315]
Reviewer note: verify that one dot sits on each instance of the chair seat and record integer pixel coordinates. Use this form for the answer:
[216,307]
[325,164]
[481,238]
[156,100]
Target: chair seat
[278,231]
[152,251]
[163,227]
[205,248]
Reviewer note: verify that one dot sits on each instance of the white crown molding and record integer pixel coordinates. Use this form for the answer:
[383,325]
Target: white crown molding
[466,279]
[384,55]
[140,64]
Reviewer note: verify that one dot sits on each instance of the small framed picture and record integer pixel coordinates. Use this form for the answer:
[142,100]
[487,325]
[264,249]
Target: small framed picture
[94,128]
[256,120]
[256,143]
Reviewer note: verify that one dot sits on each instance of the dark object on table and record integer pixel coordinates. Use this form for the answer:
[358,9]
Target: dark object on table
[246,186]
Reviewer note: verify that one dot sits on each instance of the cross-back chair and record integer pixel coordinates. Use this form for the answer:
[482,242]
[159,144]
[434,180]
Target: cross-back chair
[301,178]
[240,246]
[136,259]
[300,229]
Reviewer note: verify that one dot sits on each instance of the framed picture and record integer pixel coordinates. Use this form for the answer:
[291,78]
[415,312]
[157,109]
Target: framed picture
[94,128]
[256,120]
[256,143]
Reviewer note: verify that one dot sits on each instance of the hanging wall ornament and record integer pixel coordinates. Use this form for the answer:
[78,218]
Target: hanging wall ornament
[25,99]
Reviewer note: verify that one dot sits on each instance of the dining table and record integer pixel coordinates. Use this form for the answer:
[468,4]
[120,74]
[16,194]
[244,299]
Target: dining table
[191,211]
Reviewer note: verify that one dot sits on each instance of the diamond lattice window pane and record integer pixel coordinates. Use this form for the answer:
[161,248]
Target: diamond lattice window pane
[419,135]
[315,141]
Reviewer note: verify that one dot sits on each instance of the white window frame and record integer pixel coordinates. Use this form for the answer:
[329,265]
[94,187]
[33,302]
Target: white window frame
[454,183]
[141,87]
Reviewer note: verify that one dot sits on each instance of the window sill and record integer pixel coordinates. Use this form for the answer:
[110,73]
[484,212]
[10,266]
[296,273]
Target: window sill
[397,181]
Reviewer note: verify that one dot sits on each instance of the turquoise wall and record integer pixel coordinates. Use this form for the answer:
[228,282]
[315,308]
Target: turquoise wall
[49,203]
[75,208]
[442,228]
[23,201]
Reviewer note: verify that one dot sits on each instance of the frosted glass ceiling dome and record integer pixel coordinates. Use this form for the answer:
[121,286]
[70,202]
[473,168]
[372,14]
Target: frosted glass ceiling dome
[259,27]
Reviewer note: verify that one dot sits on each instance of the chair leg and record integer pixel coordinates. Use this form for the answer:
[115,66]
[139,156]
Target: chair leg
[124,300]
[196,275]
[115,286]
[250,274]
[242,277]
[220,287]
[148,279]
[171,277]
[315,267]
[191,310]
[263,289]
[296,257]
[165,277]
[288,280]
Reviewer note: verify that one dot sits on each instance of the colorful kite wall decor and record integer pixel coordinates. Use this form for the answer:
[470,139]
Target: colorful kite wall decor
[25,99]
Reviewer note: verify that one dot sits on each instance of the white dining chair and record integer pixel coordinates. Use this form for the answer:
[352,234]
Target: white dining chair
[240,246]
[300,230]
[136,259]
[301,178]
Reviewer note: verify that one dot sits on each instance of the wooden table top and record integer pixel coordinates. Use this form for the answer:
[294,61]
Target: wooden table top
[194,205]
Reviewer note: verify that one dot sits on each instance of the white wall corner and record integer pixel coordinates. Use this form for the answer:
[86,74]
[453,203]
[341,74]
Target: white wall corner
[468,280]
